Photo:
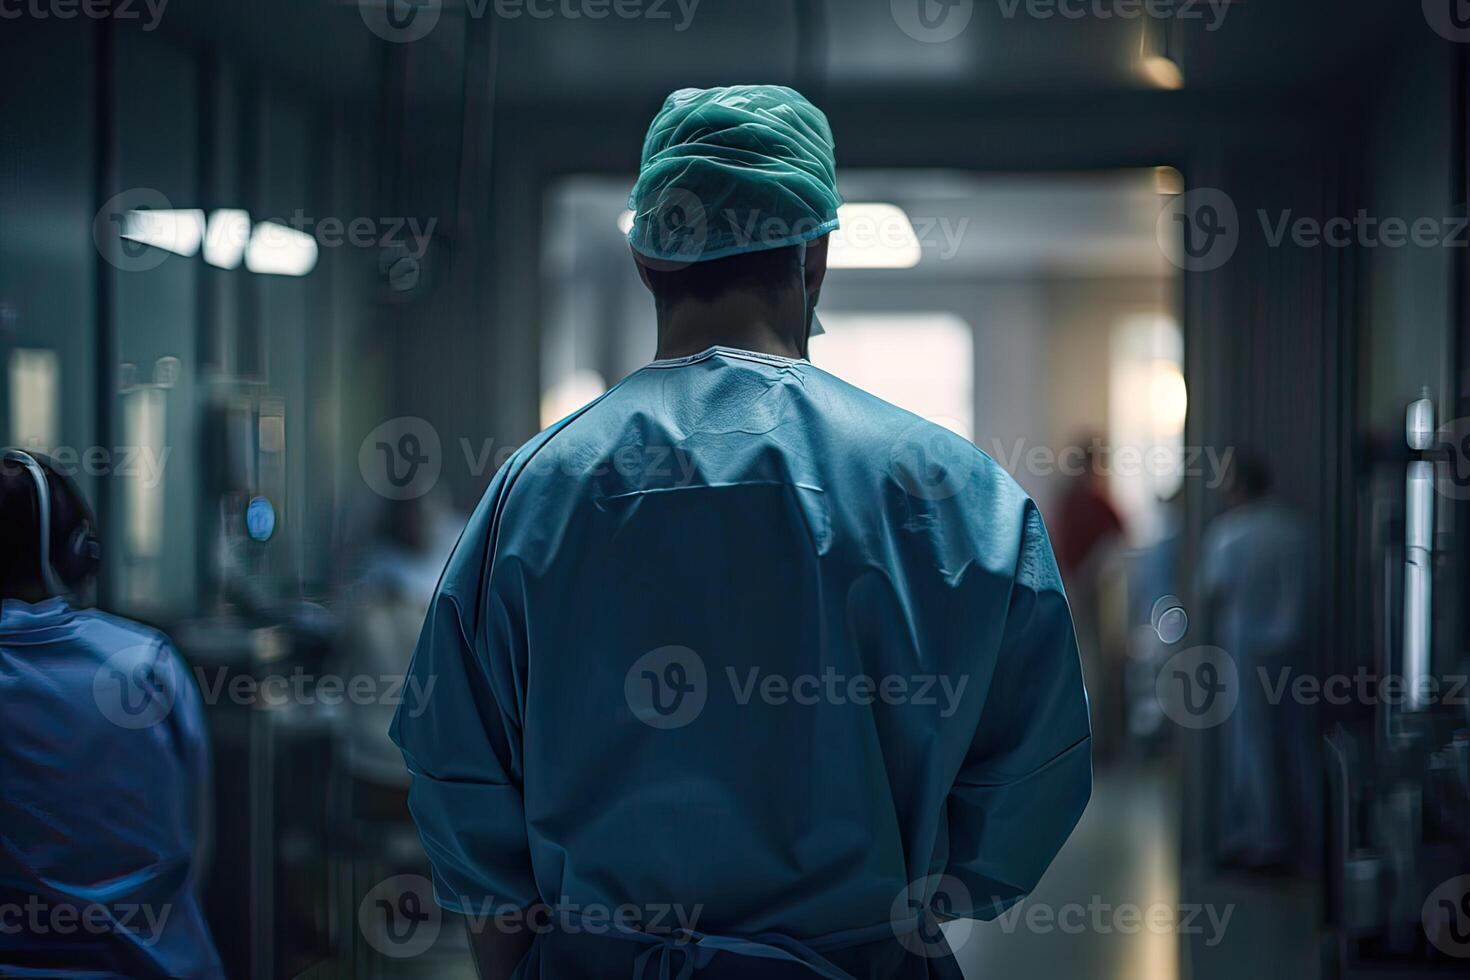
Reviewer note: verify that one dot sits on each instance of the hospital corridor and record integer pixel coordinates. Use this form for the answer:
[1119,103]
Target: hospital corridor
[722,489]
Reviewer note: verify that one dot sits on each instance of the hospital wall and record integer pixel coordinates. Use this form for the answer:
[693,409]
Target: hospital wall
[128,110]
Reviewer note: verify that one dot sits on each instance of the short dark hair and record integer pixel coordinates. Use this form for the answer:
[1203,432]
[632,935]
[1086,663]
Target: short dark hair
[768,271]
[1252,476]
[20,535]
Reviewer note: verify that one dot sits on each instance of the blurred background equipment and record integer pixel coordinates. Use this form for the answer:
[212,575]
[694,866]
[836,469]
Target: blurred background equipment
[283,283]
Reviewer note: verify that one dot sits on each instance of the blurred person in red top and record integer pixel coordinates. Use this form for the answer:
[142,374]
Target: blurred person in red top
[1088,533]
[1085,516]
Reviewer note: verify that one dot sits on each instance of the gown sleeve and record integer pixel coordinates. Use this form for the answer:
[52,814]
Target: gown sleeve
[459,724]
[1028,774]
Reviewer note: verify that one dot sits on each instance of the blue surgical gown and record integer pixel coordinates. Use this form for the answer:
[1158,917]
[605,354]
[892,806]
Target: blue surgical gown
[742,525]
[102,757]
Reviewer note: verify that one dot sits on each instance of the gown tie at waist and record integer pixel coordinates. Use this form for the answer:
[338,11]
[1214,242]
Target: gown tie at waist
[682,952]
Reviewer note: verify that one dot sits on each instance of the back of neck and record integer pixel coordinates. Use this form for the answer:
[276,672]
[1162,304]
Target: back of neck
[738,322]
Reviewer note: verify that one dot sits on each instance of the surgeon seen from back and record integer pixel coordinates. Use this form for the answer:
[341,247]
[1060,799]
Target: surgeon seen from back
[739,670]
[104,765]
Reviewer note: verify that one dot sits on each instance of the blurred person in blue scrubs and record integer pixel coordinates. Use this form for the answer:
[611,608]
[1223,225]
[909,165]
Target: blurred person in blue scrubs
[1254,577]
[741,671]
[103,761]
[385,605]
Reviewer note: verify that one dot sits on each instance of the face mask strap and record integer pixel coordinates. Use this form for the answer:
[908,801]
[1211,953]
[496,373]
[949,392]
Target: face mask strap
[809,300]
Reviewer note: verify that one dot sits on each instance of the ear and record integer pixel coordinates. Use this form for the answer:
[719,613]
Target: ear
[816,263]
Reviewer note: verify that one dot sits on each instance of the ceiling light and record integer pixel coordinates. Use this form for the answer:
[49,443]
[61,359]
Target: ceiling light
[280,251]
[226,236]
[1163,72]
[176,231]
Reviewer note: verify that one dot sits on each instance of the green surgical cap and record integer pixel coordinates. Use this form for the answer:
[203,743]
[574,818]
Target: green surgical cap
[731,170]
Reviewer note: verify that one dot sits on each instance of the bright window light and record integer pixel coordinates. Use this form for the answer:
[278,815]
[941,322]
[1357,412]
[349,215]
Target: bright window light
[280,251]
[35,399]
[923,362]
[1148,401]
[226,236]
[570,394]
[874,236]
[625,221]
[1168,398]
[176,231]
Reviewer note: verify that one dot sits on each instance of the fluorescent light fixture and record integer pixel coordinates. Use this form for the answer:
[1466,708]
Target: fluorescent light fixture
[176,231]
[874,236]
[226,236]
[625,221]
[1163,72]
[280,251]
